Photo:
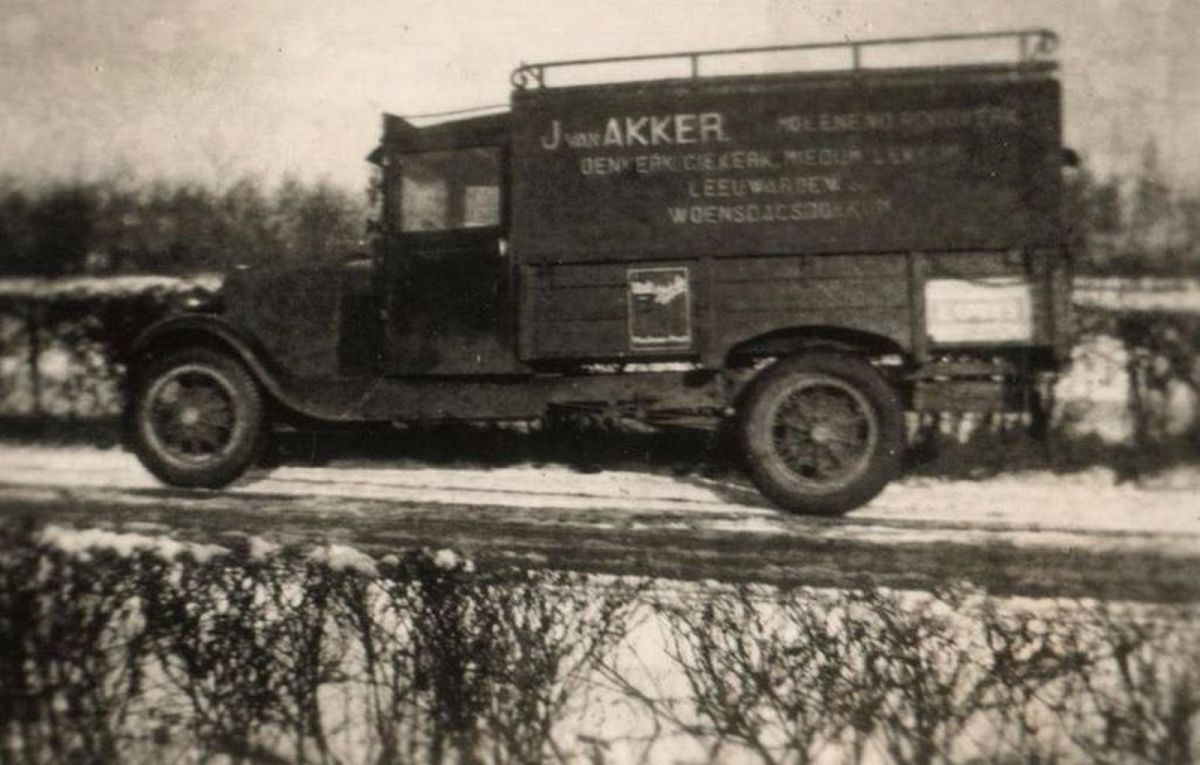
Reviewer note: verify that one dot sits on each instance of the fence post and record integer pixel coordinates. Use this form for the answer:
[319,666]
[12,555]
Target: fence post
[33,328]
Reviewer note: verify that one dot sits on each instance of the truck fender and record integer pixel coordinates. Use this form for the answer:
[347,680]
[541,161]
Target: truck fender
[787,341]
[175,332]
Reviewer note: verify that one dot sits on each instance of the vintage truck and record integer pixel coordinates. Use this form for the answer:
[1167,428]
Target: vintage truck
[803,255]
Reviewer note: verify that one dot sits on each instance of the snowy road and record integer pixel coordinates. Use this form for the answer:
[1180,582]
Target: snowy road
[1031,533]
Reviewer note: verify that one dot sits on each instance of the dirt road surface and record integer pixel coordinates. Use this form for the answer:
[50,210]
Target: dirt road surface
[1033,534]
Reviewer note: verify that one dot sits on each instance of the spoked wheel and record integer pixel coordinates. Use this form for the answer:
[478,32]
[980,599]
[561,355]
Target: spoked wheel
[821,433]
[197,419]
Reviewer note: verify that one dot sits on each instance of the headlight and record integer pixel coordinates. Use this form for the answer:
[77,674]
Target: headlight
[197,300]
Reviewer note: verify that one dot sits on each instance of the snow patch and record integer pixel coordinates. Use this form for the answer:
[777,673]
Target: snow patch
[106,286]
[450,560]
[1148,294]
[261,550]
[55,363]
[344,558]
[255,548]
[1158,512]
[1093,394]
[81,542]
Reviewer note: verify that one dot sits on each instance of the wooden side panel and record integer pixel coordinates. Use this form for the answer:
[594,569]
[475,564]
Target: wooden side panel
[584,310]
[864,293]
[578,311]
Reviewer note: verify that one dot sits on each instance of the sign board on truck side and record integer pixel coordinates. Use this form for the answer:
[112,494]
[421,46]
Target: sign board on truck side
[810,164]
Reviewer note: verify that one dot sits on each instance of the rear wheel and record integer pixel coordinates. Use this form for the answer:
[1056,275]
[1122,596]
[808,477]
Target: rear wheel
[821,433]
[197,418]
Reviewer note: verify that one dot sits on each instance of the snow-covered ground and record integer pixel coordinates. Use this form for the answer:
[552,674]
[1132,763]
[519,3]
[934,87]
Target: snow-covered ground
[106,286]
[1088,509]
[1148,294]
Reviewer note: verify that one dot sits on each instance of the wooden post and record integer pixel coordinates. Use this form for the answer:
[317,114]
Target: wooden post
[33,327]
[916,306]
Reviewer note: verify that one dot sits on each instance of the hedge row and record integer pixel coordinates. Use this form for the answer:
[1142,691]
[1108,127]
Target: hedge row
[135,648]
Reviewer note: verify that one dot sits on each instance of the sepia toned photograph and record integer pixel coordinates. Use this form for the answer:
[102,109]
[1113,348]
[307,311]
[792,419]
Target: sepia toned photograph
[600,381]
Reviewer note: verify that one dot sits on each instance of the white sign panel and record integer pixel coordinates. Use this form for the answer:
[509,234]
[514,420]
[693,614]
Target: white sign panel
[992,310]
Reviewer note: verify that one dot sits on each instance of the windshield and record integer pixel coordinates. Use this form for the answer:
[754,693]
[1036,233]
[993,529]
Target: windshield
[445,190]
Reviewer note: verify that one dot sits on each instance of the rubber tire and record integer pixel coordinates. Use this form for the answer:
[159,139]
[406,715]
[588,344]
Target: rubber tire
[771,476]
[249,421]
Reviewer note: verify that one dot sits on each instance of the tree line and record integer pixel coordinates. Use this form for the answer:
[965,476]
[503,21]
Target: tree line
[119,226]
[1133,226]
[1139,225]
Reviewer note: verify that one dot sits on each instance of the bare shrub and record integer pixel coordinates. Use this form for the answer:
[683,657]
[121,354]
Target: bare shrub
[477,668]
[215,641]
[1142,704]
[74,639]
[791,676]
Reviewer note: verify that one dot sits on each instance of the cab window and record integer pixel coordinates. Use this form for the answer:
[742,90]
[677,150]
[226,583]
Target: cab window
[446,190]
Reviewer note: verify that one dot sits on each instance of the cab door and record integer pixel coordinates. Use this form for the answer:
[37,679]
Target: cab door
[447,277]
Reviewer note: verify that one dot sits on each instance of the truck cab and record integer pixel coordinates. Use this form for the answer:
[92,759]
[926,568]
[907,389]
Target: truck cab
[803,255]
[445,267]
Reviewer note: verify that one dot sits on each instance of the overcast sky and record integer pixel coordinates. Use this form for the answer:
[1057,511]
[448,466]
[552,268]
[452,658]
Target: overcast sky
[218,89]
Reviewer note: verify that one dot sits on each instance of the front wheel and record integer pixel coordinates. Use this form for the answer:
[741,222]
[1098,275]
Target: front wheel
[821,433]
[196,418]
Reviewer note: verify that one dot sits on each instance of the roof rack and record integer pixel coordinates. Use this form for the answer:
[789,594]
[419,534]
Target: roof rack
[1032,45]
